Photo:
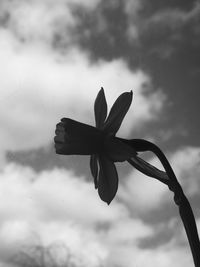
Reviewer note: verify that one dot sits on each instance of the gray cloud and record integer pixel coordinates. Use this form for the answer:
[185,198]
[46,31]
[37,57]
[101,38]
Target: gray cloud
[173,24]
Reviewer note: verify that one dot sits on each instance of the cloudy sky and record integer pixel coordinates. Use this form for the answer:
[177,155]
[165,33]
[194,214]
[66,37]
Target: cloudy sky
[54,58]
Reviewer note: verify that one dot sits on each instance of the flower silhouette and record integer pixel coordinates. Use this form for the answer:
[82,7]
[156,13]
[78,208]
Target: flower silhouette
[104,148]
[73,137]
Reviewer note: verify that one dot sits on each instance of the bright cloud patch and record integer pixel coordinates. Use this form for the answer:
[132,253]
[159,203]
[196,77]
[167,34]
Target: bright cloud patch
[186,163]
[52,207]
[55,207]
[145,193]
[39,21]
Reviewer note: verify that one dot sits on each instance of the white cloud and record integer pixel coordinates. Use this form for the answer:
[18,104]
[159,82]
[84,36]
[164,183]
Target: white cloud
[53,192]
[36,21]
[39,85]
[124,232]
[152,258]
[144,193]
[55,207]
[186,164]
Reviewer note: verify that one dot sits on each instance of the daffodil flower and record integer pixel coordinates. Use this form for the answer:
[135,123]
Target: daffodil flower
[104,148]
[73,137]
[76,138]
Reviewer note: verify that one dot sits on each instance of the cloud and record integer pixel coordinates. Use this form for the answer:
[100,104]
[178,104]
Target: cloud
[40,84]
[55,207]
[43,88]
[162,27]
[186,164]
[176,18]
[43,18]
[132,9]
[52,192]
[51,206]
[150,193]
[143,193]
[174,26]
[152,258]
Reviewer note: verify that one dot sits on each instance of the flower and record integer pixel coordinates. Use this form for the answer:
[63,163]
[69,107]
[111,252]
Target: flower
[100,142]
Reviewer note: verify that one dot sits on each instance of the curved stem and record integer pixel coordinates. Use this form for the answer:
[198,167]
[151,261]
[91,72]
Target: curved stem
[180,199]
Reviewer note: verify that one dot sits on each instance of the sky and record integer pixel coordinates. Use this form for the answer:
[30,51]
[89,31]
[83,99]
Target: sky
[54,58]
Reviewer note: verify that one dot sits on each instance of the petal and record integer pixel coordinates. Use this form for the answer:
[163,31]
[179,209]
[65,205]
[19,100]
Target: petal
[60,135]
[116,150]
[76,129]
[108,180]
[65,149]
[94,168]
[118,112]
[76,138]
[100,109]
[59,127]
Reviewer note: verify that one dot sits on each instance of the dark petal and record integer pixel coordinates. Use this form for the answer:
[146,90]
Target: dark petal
[60,138]
[73,148]
[73,137]
[118,112]
[108,180]
[100,109]
[94,169]
[59,127]
[116,150]
[79,129]
[62,149]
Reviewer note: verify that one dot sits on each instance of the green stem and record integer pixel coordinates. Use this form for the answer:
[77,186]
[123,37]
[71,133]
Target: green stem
[180,199]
